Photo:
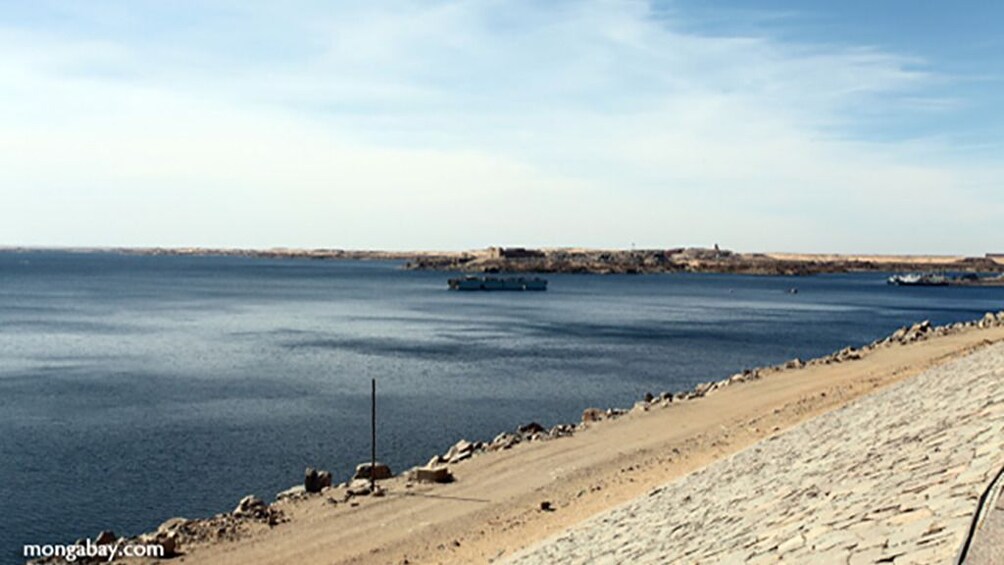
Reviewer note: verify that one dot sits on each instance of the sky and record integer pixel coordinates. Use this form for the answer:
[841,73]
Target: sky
[778,125]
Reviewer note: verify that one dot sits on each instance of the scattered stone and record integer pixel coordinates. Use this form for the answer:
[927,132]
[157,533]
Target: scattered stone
[249,505]
[545,506]
[504,440]
[106,537]
[846,354]
[295,492]
[359,487]
[795,363]
[702,388]
[173,525]
[561,430]
[433,475]
[460,451]
[649,397]
[592,415]
[530,429]
[917,332]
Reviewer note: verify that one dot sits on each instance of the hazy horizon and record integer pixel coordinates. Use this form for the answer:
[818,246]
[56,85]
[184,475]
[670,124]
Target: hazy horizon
[280,248]
[791,127]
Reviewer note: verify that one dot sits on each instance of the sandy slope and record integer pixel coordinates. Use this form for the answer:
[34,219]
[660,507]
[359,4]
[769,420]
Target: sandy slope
[494,506]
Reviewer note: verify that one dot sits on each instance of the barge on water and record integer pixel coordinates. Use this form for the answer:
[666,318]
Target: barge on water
[497,283]
[966,279]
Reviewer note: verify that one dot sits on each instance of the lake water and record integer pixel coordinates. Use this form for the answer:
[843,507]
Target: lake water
[134,389]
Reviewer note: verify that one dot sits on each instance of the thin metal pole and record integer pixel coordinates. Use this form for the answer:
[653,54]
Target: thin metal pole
[373,437]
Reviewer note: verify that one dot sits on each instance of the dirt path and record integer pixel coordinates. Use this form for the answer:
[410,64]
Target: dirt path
[493,509]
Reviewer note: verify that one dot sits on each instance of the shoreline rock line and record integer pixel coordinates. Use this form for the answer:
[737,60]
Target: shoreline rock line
[598,261]
[251,512]
[689,260]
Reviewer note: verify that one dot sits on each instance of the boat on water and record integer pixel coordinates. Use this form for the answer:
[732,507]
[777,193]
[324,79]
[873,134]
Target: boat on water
[497,283]
[918,279]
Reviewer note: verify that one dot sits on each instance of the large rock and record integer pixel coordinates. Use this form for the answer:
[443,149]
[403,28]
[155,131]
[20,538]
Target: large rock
[561,430]
[848,354]
[463,449]
[502,441]
[250,505]
[106,537]
[440,474]
[530,429]
[378,471]
[359,487]
[795,363]
[314,480]
[989,320]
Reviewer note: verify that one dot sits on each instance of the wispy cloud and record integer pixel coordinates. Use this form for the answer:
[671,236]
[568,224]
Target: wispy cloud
[458,124]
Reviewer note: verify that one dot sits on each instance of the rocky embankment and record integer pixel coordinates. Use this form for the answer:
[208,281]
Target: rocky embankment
[692,260]
[894,477]
[252,513]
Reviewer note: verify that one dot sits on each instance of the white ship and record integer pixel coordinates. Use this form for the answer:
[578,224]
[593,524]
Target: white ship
[918,279]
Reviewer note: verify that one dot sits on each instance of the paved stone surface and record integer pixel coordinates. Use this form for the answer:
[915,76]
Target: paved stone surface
[988,543]
[892,478]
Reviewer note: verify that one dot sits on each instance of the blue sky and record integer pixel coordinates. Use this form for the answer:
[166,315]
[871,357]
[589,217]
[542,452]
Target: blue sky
[775,125]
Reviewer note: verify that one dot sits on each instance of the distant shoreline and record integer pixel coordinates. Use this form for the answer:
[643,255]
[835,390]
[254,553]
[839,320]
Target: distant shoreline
[592,261]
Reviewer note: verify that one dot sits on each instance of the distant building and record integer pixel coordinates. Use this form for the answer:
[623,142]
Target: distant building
[514,253]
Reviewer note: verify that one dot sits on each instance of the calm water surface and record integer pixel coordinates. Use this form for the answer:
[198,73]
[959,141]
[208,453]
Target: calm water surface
[134,389]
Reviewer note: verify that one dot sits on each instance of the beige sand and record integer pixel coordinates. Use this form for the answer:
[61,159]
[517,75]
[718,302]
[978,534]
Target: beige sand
[494,507]
[879,259]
